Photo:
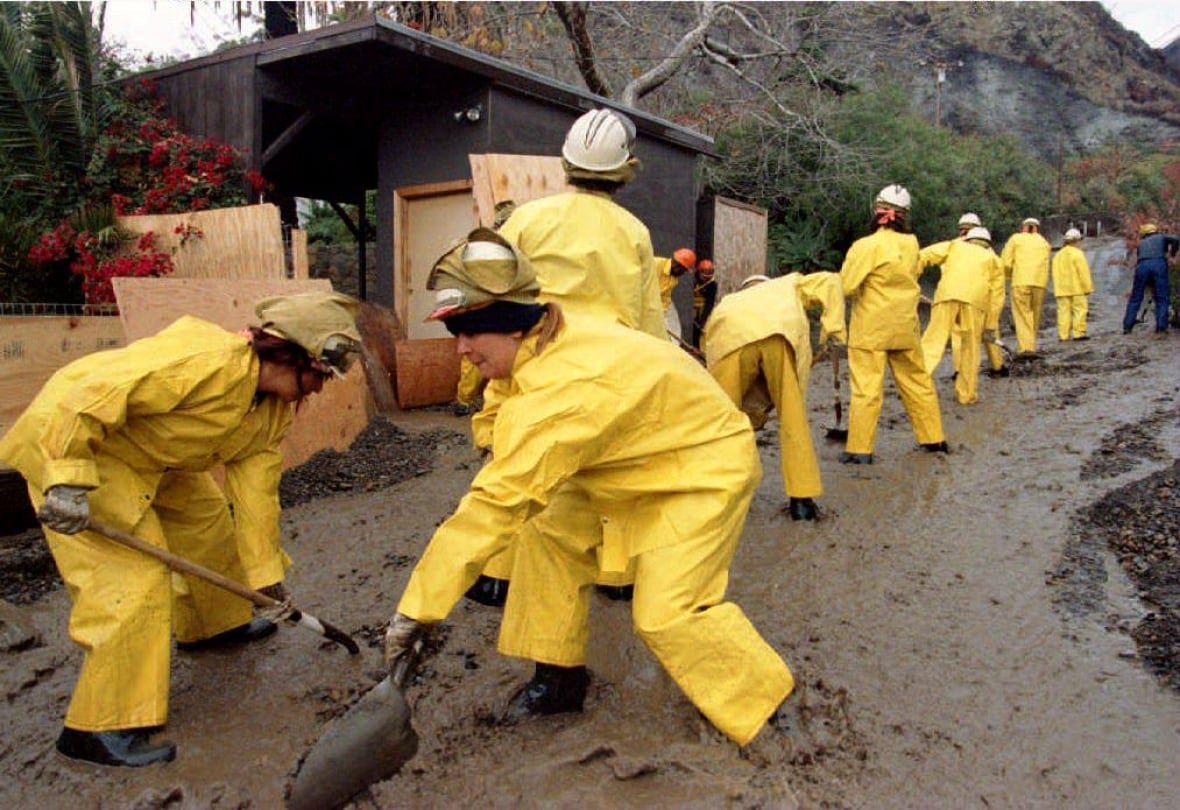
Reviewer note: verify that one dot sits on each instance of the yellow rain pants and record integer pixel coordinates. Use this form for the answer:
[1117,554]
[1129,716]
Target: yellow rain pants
[1025,259]
[881,273]
[963,325]
[140,426]
[644,436]
[770,363]
[1071,316]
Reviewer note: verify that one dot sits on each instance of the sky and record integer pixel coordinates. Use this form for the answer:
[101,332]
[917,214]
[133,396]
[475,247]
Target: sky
[162,27]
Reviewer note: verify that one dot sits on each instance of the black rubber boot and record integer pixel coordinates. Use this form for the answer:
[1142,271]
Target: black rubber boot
[127,749]
[802,509]
[856,458]
[553,690]
[488,591]
[617,593]
[936,447]
[1002,371]
[253,630]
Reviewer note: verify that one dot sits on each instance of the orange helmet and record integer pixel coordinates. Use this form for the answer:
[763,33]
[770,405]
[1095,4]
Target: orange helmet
[685,257]
[705,268]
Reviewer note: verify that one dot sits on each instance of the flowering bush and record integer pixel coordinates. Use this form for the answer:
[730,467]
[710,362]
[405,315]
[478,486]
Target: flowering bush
[92,256]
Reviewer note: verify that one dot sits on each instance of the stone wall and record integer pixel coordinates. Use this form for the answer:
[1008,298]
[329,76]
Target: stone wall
[338,264]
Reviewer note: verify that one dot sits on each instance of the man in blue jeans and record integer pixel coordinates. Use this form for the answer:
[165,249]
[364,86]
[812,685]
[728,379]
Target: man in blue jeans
[1151,267]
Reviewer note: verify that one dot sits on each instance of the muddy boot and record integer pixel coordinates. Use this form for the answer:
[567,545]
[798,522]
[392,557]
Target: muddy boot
[253,630]
[128,749]
[617,593]
[1002,371]
[802,509]
[553,690]
[936,447]
[488,591]
[856,458]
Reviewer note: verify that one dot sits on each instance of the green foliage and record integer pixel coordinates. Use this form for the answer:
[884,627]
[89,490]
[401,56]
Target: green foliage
[323,224]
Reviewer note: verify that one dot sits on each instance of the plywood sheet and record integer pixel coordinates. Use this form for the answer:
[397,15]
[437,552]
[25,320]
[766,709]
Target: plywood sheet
[300,268]
[331,418]
[32,348]
[241,242]
[739,242]
[520,178]
[427,372]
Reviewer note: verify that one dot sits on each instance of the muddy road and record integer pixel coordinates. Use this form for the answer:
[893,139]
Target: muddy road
[996,628]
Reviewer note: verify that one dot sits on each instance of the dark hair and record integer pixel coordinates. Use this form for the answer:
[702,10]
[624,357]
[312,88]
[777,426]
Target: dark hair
[281,352]
[608,186]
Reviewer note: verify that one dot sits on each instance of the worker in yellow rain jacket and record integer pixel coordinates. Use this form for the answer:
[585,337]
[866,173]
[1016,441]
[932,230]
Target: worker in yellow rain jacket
[758,348]
[881,273]
[1072,287]
[704,298]
[966,307]
[594,258]
[129,436]
[1026,262]
[587,410]
[669,269]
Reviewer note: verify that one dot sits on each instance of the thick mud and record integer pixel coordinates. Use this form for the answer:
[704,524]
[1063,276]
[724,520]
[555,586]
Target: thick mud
[993,628]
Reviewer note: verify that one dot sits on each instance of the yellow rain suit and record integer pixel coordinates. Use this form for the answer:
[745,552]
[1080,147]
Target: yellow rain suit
[640,433]
[967,301]
[881,273]
[758,348]
[593,257]
[471,383]
[142,426]
[1071,287]
[1026,260]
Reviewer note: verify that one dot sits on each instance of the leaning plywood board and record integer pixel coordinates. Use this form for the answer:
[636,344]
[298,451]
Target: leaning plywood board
[427,372]
[519,178]
[242,242]
[331,418]
[739,243]
[33,347]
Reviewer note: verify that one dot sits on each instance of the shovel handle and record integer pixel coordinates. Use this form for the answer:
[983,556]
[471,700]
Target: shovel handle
[178,563]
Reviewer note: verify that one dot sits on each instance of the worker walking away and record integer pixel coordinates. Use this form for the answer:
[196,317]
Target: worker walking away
[704,297]
[758,348]
[1155,251]
[966,306]
[587,413]
[968,221]
[1026,262]
[595,258]
[1072,287]
[129,436]
[668,271]
[881,273]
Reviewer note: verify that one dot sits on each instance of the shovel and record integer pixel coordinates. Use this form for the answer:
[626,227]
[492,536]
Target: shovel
[177,563]
[369,743]
[837,433]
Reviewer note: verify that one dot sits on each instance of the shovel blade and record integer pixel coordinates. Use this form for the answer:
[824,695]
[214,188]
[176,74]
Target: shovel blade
[369,743]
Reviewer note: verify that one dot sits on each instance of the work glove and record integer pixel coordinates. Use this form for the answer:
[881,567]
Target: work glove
[400,637]
[66,509]
[280,594]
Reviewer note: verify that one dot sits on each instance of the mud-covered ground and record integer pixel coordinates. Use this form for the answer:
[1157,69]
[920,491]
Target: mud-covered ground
[996,628]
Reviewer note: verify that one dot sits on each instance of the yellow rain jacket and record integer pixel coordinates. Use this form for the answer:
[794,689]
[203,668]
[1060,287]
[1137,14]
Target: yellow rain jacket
[1026,260]
[645,437]
[971,274]
[881,272]
[141,426]
[1071,272]
[592,256]
[663,269]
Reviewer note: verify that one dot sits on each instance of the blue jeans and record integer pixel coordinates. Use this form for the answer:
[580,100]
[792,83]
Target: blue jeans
[1155,273]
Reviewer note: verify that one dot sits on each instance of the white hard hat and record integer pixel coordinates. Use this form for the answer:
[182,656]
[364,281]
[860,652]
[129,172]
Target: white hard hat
[599,141]
[750,281]
[894,195]
[979,232]
[1073,235]
[1030,221]
[969,220]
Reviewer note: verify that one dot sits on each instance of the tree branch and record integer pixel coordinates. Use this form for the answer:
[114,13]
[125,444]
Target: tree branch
[573,17]
[648,81]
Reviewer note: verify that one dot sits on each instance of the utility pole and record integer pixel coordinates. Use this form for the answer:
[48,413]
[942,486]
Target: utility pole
[940,68]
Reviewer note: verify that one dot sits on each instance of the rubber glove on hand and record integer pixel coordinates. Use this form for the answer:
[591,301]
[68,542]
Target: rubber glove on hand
[66,509]
[400,637]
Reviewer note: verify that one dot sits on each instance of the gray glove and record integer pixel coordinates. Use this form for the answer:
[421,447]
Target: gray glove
[400,637]
[66,509]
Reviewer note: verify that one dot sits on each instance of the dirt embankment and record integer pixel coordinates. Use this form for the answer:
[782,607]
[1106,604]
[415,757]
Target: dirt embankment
[995,628]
